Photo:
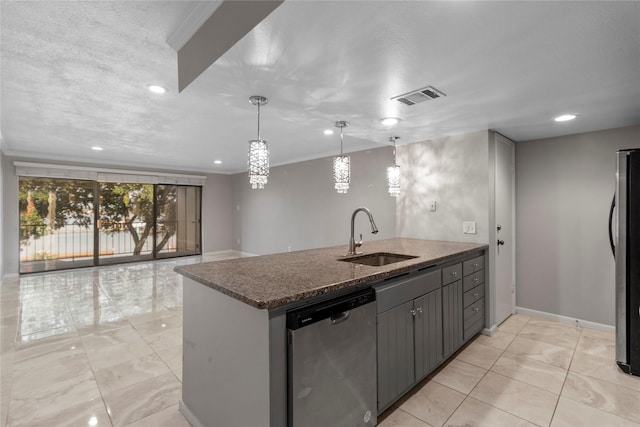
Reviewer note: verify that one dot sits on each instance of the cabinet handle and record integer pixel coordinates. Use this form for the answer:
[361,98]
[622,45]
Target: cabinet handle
[475,265]
[454,273]
[477,309]
[475,280]
[419,309]
[476,295]
[413,312]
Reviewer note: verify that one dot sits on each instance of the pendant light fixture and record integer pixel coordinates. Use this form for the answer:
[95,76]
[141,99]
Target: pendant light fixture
[341,165]
[258,162]
[393,172]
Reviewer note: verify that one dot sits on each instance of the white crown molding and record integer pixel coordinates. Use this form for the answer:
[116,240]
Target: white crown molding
[82,161]
[197,16]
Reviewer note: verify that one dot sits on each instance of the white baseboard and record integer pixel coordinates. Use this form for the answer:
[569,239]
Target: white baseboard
[565,319]
[490,331]
[193,420]
[227,251]
[10,276]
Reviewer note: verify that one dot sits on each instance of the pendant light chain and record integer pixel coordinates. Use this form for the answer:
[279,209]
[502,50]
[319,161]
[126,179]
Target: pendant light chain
[259,120]
[341,141]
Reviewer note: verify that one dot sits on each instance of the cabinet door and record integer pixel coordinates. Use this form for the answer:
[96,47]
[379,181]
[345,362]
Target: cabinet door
[452,317]
[428,332]
[395,353]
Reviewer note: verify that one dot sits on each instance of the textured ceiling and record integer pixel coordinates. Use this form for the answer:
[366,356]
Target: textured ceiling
[74,75]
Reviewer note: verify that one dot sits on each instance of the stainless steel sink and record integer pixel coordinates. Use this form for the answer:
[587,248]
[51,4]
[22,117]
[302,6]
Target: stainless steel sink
[378,259]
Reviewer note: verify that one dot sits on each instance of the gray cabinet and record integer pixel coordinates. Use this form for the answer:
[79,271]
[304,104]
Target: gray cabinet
[423,318]
[452,318]
[396,372]
[409,333]
[473,298]
[428,333]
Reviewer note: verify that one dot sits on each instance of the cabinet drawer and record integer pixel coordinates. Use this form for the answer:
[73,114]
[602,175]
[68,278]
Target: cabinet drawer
[474,312]
[473,329]
[402,290]
[473,295]
[451,274]
[473,265]
[473,280]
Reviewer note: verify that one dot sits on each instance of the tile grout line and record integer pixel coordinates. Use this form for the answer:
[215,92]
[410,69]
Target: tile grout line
[93,372]
[512,379]
[573,354]
[468,395]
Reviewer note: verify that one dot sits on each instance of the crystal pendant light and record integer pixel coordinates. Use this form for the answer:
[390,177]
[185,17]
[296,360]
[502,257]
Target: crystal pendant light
[393,172]
[258,162]
[341,165]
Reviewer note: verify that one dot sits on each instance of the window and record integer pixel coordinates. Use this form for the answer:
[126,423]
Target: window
[67,223]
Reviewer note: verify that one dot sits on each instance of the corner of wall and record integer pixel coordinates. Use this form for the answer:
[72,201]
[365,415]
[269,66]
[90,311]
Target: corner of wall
[2,205]
[451,172]
[216,213]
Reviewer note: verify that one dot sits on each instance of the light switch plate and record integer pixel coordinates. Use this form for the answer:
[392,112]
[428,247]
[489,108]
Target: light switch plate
[432,206]
[469,227]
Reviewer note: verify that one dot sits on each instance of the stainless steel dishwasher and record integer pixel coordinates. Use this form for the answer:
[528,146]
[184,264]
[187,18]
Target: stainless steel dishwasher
[332,363]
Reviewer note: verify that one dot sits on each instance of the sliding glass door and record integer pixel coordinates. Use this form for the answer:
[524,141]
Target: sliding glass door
[178,221]
[56,223]
[73,223]
[125,224]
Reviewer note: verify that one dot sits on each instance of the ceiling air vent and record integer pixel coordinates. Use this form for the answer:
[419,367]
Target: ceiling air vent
[417,96]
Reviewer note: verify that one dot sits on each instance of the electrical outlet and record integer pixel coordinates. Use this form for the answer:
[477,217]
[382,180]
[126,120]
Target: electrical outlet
[469,227]
[432,206]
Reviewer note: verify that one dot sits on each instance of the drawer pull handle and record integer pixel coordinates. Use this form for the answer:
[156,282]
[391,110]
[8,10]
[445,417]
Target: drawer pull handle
[454,273]
[419,310]
[475,265]
[477,309]
[475,280]
[413,312]
[476,295]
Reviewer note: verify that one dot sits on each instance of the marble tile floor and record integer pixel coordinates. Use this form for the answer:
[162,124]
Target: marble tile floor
[531,372]
[94,346]
[103,347]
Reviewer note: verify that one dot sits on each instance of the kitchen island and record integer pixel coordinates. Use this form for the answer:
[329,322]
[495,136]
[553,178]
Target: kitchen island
[235,336]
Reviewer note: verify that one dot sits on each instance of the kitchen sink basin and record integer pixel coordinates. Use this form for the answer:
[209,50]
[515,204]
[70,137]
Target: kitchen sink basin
[378,259]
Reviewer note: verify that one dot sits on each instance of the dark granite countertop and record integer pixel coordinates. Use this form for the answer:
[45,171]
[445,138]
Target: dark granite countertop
[270,281]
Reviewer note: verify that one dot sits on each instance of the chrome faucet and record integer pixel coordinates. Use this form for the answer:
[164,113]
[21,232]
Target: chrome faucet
[353,245]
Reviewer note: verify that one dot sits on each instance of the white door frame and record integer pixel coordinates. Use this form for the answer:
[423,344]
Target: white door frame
[500,139]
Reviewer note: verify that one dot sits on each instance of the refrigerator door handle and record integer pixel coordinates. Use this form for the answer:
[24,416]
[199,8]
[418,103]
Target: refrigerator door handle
[613,206]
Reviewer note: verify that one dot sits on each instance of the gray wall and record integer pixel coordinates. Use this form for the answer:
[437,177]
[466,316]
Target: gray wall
[216,212]
[2,208]
[453,171]
[9,225]
[298,208]
[564,188]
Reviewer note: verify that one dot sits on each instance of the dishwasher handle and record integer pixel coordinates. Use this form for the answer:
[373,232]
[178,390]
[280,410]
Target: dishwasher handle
[339,318]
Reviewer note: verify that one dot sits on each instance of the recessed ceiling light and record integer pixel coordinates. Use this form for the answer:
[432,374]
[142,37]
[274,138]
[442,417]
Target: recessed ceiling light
[328,132]
[157,89]
[217,162]
[565,118]
[389,121]
[96,148]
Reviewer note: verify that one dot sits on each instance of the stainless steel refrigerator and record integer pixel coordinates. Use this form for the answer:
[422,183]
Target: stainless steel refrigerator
[627,256]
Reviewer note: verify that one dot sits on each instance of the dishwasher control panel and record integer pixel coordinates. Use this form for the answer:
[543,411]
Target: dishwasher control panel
[334,308]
